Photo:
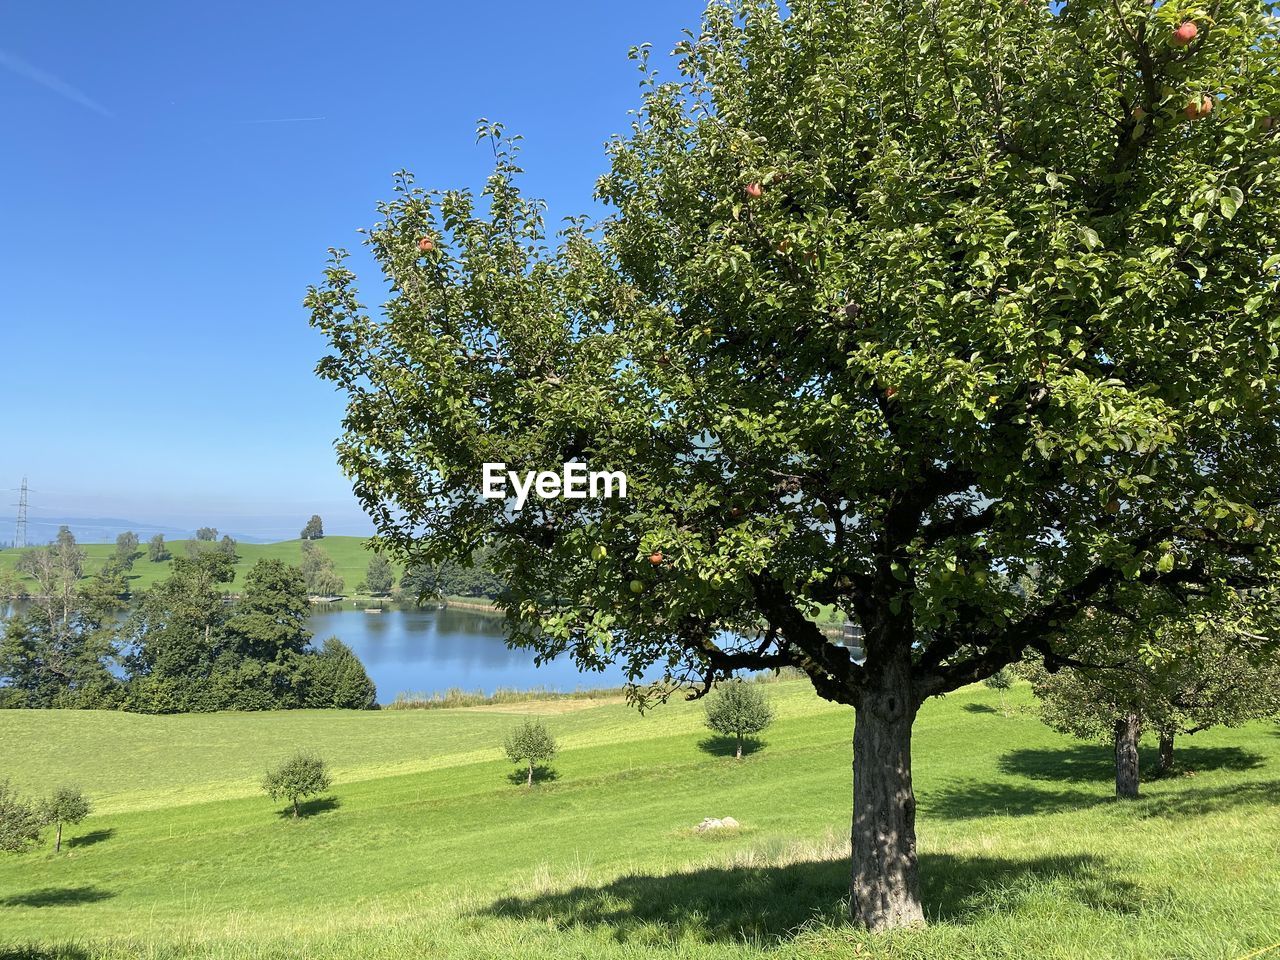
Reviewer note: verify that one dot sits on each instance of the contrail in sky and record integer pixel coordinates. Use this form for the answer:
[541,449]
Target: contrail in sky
[286,120]
[48,80]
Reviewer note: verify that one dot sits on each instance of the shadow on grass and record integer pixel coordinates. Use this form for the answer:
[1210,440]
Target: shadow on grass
[309,808]
[541,774]
[979,708]
[43,952]
[1095,763]
[56,897]
[969,800]
[1082,776]
[733,904]
[89,839]
[728,746]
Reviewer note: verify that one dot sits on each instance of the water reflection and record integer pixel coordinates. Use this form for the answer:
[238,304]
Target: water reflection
[432,650]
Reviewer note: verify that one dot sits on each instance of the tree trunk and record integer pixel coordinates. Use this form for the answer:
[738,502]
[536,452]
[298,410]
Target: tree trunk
[529,782]
[1127,731]
[1166,751]
[296,811]
[739,746]
[57,842]
[885,887]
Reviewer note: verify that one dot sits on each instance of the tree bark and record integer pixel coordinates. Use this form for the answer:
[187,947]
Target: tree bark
[57,843]
[1127,730]
[1166,751]
[529,782]
[296,811]
[739,746]
[885,887]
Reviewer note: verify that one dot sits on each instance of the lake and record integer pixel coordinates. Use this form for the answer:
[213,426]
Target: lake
[427,650]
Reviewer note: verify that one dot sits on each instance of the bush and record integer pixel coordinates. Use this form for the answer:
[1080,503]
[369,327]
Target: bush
[530,743]
[302,775]
[736,709]
[20,821]
[337,678]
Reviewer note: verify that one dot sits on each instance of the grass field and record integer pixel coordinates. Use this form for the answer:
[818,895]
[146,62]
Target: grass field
[350,558]
[427,850]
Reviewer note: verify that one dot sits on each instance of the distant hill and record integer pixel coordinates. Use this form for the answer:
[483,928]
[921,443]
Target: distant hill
[350,558]
[105,530]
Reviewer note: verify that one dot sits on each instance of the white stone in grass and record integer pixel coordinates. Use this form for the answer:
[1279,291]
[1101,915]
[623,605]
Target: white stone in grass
[717,823]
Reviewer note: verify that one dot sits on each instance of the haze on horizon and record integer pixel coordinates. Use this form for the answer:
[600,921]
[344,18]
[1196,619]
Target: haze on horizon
[172,180]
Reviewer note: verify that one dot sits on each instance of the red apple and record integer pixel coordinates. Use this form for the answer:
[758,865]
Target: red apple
[1113,507]
[891,392]
[735,512]
[656,558]
[1139,113]
[1185,33]
[426,244]
[1199,108]
[754,190]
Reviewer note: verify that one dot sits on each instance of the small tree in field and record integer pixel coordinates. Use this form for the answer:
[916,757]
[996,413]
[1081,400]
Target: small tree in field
[1001,680]
[529,744]
[67,805]
[302,775]
[20,821]
[893,305]
[314,528]
[736,709]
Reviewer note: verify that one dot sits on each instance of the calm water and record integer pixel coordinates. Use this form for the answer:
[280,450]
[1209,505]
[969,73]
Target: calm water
[424,651]
[432,650]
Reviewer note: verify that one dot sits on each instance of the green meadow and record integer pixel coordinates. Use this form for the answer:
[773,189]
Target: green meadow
[426,848]
[350,559]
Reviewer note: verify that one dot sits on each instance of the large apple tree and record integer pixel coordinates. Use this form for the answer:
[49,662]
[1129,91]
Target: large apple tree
[896,307]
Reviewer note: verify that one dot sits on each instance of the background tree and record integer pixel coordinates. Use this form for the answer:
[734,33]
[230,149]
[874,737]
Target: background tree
[58,652]
[57,570]
[1001,680]
[20,821]
[269,629]
[897,304]
[175,636]
[472,577]
[739,710]
[318,571]
[529,744]
[1198,673]
[207,534]
[126,549]
[337,679]
[227,546]
[66,805]
[157,550]
[380,578]
[301,776]
[314,529]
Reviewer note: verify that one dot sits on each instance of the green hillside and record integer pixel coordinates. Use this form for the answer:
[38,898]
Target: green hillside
[426,849]
[349,557]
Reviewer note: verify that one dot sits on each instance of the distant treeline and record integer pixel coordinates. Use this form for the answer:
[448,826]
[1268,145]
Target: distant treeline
[182,647]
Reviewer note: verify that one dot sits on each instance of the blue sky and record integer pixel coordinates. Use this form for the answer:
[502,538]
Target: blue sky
[166,196]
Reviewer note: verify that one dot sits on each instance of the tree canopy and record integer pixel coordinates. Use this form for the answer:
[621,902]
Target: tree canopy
[896,304]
